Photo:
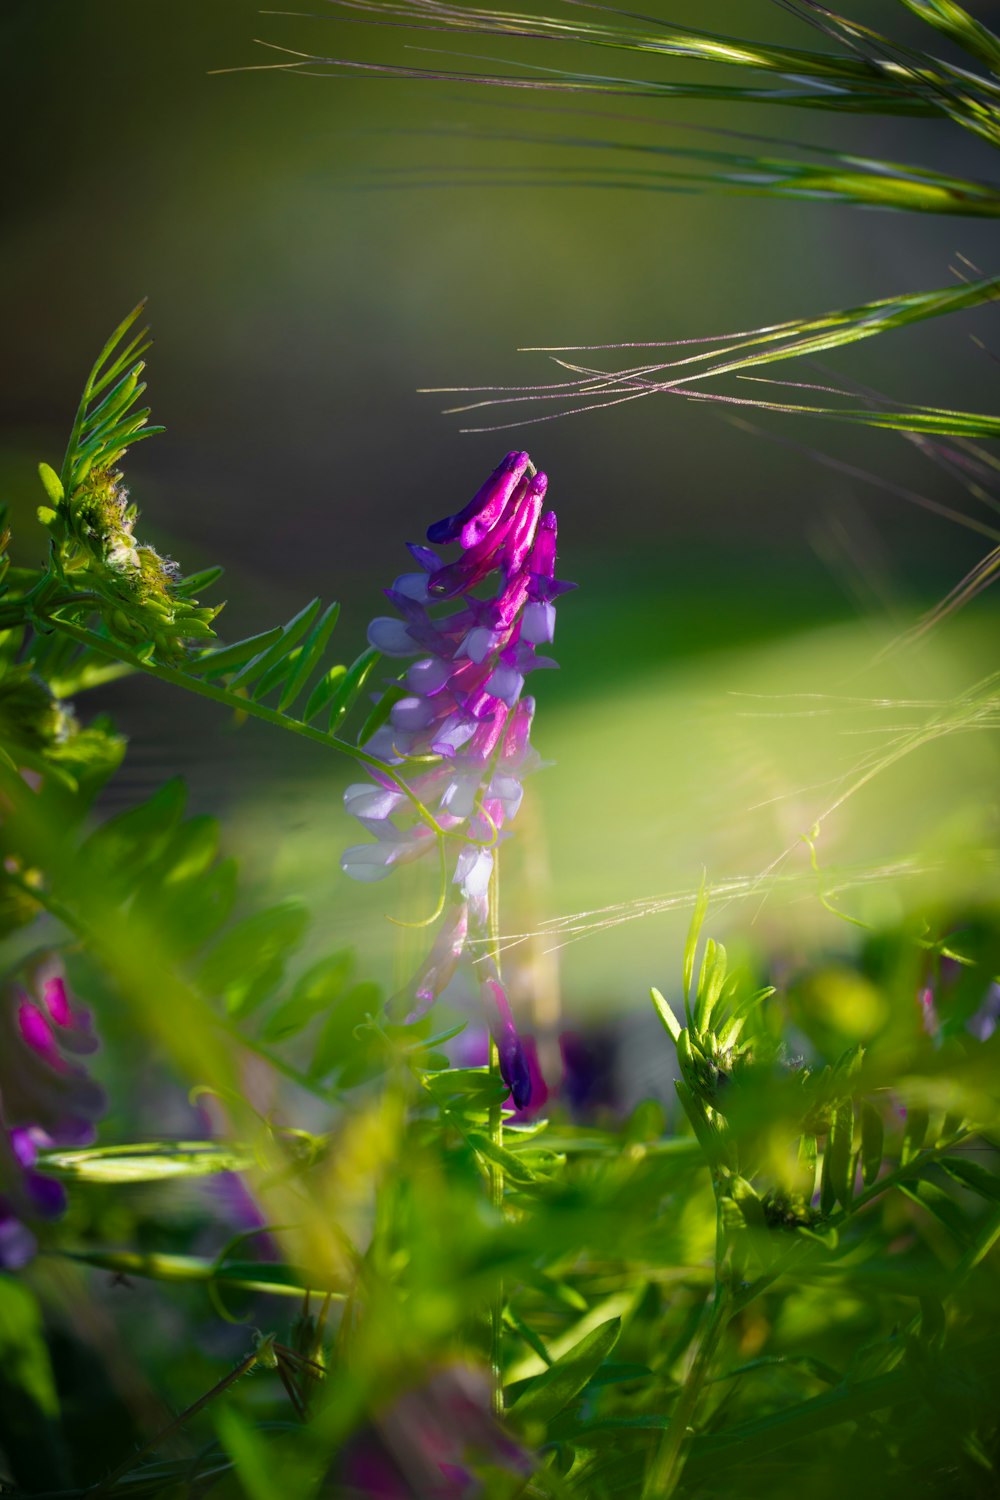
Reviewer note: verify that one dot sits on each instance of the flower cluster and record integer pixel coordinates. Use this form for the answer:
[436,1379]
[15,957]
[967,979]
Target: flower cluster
[459,728]
[46,1099]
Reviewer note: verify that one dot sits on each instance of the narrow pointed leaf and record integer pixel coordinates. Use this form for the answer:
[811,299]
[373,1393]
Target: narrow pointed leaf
[351,685]
[290,633]
[567,1376]
[312,651]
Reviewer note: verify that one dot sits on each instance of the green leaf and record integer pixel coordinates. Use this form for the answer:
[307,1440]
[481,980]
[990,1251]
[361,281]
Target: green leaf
[670,1022]
[312,651]
[840,1153]
[228,658]
[563,1381]
[691,945]
[196,583]
[944,1208]
[917,1121]
[290,633]
[513,1163]
[268,1468]
[316,990]
[145,1161]
[478,1085]
[52,485]
[323,692]
[350,688]
[955,22]
[973,1176]
[872,1142]
[338,1047]
[129,843]
[30,1434]
[247,964]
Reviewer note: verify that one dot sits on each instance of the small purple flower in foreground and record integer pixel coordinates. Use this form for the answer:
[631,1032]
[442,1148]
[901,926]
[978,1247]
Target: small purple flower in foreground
[429,1442]
[462,723]
[46,1099]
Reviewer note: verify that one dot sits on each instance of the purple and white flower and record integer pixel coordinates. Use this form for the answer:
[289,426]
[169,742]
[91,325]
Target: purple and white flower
[462,724]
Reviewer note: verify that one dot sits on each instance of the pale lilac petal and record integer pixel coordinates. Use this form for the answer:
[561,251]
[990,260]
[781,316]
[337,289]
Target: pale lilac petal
[412,586]
[367,862]
[388,745]
[412,713]
[391,637]
[472,872]
[505,683]
[456,730]
[538,623]
[373,802]
[428,676]
[509,791]
[459,796]
[427,559]
[478,644]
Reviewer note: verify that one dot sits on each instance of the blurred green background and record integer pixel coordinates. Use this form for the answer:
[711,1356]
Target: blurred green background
[298,303]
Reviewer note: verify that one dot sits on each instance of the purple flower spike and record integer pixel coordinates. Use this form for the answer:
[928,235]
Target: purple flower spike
[482,511]
[463,719]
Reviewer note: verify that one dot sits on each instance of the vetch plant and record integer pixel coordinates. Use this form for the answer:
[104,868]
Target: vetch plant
[459,724]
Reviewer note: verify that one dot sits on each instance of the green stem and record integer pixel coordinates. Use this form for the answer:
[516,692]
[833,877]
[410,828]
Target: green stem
[495,1170]
[128,1464]
[237,704]
[668,1464]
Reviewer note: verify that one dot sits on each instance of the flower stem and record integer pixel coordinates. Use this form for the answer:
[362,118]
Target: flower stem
[665,1470]
[128,1464]
[496,1170]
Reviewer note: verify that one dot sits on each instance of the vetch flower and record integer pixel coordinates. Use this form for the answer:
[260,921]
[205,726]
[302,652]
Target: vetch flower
[459,735]
[47,1099]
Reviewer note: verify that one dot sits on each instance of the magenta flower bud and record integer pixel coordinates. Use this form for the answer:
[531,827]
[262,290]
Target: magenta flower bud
[481,704]
[543,554]
[514,1067]
[521,535]
[485,506]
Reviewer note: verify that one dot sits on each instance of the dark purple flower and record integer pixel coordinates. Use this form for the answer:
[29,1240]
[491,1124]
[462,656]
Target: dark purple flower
[46,1099]
[514,1067]
[461,731]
